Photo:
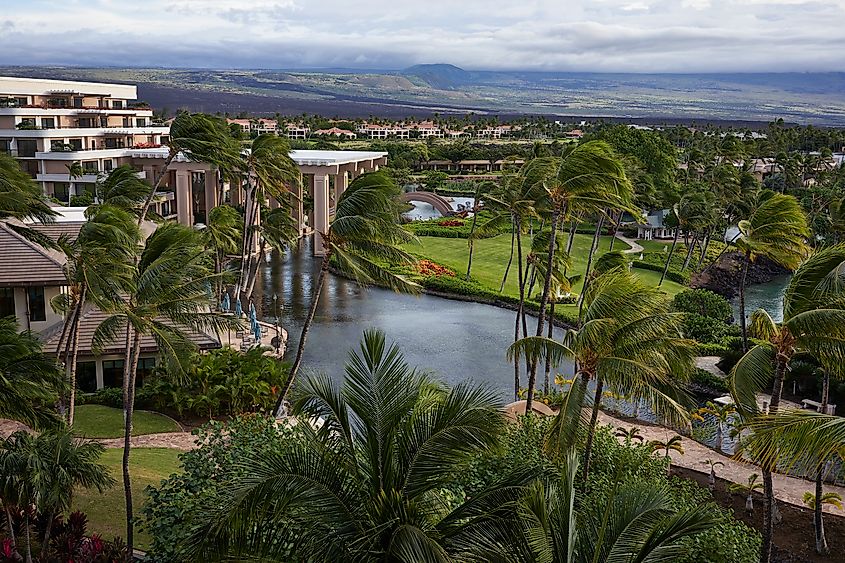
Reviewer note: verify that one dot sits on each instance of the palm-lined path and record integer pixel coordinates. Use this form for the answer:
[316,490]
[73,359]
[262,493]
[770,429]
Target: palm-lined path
[787,489]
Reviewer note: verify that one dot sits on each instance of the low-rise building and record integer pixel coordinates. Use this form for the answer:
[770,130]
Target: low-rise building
[336,132]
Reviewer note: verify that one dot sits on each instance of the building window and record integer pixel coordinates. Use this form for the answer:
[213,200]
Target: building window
[75,144]
[117,104]
[48,123]
[37,304]
[61,191]
[112,373]
[86,376]
[90,167]
[7,302]
[141,122]
[77,102]
[146,367]
[107,165]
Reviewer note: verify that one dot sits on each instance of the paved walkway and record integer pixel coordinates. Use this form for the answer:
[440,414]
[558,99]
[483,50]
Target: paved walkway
[636,247]
[788,489]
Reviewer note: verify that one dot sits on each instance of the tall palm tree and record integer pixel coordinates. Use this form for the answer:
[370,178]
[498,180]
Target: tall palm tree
[30,380]
[364,234]
[205,138]
[97,269]
[813,322]
[638,523]
[776,229]
[20,199]
[268,172]
[366,485]
[279,230]
[222,236]
[46,469]
[122,188]
[588,176]
[628,343]
[167,296]
[74,172]
[513,203]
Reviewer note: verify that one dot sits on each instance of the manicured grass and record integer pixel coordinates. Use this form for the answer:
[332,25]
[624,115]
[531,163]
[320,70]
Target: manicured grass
[491,255]
[659,245]
[98,421]
[106,512]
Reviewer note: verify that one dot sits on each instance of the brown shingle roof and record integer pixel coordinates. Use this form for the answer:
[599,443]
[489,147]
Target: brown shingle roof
[92,319]
[55,230]
[24,263]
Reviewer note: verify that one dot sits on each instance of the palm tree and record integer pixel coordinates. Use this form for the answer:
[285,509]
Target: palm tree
[366,485]
[30,380]
[711,479]
[814,322]
[748,489]
[638,523]
[723,415]
[206,139]
[268,172]
[673,444]
[364,234]
[122,188]
[630,435]
[47,469]
[588,176]
[480,187]
[776,229]
[168,295]
[279,229]
[222,236]
[629,342]
[74,171]
[20,199]
[829,498]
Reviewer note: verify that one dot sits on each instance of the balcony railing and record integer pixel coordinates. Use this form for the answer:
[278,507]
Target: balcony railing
[115,127]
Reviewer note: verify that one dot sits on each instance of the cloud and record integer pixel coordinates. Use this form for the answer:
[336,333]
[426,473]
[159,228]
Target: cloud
[578,35]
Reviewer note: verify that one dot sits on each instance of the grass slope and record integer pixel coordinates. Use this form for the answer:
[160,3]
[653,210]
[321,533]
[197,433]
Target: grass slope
[106,511]
[98,421]
[491,255]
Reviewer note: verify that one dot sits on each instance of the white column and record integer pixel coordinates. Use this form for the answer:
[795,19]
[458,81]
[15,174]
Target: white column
[184,201]
[210,192]
[341,182]
[321,211]
[296,204]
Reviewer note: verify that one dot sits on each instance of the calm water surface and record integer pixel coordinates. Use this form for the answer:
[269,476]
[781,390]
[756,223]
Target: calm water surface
[456,340]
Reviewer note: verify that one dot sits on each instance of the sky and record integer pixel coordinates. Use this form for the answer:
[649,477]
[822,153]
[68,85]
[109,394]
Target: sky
[547,35]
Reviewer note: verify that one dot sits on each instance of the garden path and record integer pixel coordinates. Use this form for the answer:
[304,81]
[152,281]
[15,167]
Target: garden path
[636,247]
[788,489]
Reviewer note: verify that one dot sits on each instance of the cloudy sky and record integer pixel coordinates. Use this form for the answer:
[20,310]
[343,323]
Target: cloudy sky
[578,35]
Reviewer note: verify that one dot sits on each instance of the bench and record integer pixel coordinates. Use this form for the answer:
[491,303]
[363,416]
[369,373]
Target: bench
[816,406]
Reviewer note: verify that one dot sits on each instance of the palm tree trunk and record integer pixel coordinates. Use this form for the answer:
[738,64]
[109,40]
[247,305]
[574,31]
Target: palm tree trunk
[544,300]
[508,267]
[71,408]
[818,516]
[246,244]
[548,367]
[770,513]
[521,305]
[324,269]
[616,222]
[703,251]
[669,258]
[156,185]
[253,272]
[10,525]
[591,430]
[593,248]
[742,321]
[690,248]
[28,538]
[133,347]
[45,545]
[470,240]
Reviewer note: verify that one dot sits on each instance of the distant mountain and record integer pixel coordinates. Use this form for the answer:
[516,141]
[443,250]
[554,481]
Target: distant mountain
[440,76]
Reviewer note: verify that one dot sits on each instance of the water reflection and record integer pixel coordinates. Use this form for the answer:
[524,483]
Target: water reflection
[456,340]
[424,211]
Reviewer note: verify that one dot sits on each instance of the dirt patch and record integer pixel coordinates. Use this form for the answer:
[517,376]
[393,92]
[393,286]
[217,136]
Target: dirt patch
[794,536]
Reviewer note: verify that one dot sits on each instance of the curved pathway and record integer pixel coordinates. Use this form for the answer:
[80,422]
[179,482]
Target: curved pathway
[636,247]
[787,489]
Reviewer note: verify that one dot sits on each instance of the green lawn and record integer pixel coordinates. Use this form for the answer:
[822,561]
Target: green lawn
[106,512]
[98,421]
[491,255]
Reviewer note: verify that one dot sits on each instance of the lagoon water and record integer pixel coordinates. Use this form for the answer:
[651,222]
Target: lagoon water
[454,339]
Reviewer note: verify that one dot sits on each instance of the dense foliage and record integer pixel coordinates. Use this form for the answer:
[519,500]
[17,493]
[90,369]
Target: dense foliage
[220,382]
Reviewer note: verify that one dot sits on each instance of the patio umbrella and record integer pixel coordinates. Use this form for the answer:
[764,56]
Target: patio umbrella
[253,318]
[226,303]
[238,309]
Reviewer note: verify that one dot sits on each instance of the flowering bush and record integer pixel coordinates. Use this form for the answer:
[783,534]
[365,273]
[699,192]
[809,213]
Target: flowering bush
[428,268]
[451,223]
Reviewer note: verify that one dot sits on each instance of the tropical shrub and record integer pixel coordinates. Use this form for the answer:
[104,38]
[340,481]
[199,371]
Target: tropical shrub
[69,541]
[711,381]
[431,268]
[704,303]
[222,445]
[706,329]
[223,381]
[107,396]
